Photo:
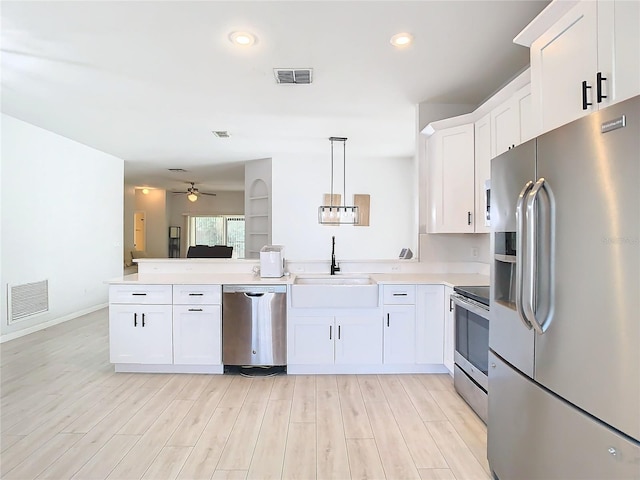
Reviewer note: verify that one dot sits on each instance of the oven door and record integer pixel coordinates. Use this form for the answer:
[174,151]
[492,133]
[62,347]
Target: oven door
[472,339]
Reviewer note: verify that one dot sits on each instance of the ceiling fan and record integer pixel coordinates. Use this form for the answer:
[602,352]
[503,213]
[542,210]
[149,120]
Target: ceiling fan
[192,192]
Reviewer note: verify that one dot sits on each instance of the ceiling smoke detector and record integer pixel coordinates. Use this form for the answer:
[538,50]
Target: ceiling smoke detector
[221,133]
[293,76]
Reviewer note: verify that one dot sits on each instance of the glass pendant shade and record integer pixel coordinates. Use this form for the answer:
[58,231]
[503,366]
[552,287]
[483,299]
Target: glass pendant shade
[192,197]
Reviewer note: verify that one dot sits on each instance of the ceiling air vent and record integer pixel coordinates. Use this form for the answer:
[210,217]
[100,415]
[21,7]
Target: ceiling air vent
[293,76]
[221,133]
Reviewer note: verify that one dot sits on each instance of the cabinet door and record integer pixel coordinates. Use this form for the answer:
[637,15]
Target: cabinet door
[310,340]
[196,335]
[451,180]
[561,59]
[504,127]
[482,139]
[449,333]
[429,324]
[399,334]
[522,102]
[140,334]
[619,49]
[358,340]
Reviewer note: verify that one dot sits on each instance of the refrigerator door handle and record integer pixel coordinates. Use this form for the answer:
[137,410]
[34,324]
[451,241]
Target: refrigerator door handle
[520,250]
[540,214]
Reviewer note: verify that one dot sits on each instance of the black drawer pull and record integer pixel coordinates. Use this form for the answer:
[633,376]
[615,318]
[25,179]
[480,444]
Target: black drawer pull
[135,319]
[196,294]
[195,309]
[387,319]
[400,294]
[139,294]
[143,319]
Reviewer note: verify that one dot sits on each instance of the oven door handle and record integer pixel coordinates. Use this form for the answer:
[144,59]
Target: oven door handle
[462,302]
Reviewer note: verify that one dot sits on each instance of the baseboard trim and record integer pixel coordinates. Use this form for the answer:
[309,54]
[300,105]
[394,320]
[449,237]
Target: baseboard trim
[41,326]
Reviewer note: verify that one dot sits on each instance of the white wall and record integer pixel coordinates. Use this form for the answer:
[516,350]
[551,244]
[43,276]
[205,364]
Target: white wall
[455,247]
[298,188]
[62,205]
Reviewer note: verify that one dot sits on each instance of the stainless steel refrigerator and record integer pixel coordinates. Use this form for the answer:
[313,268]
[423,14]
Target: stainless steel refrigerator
[564,337]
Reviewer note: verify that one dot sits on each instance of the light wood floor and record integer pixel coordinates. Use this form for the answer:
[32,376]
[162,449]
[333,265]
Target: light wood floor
[66,414]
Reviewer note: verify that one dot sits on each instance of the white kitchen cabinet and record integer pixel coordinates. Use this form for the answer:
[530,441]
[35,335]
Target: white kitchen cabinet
[512,122]
[329,340]
[399,315]
[197,325]
[451,180]
[449,329]
[482,138]
[310,340]
[358,340]
[429,324]
[196,335]
[140,334]
[140,324]
[588,59]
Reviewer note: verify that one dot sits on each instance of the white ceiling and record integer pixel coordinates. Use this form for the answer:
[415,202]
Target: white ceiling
[147,81]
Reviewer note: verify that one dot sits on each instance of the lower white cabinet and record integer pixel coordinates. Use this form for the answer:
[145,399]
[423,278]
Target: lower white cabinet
[399,334]
[140,334]
[399,316]
[429,324]
[174,328]
[196,335]
[449,329]
[328,340]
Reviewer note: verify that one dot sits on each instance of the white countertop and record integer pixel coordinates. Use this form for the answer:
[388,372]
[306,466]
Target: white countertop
[450,279]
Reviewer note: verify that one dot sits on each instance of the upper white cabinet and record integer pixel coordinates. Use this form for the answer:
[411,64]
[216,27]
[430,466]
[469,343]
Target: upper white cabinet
[512,122]
[588,59]
[451,180]
[483,157]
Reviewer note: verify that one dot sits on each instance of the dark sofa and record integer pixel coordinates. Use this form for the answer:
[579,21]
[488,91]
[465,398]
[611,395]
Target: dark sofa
[205,251]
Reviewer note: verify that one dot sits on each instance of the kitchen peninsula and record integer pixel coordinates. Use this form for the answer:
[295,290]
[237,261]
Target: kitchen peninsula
[168,316]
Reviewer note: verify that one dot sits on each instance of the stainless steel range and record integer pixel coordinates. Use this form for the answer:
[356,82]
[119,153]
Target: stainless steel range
[472,346]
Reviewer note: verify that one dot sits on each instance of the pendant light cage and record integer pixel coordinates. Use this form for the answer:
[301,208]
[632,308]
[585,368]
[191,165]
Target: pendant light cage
[338,214]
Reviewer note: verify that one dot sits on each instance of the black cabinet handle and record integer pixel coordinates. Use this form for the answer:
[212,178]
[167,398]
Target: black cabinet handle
[330,332]
[585,103]
[599,80]
[399,294]
[135,319]
[338,332]
[195,309]
[196,294]
[450,304]
[468,218]
[387,319]
[139,294]
[143,319]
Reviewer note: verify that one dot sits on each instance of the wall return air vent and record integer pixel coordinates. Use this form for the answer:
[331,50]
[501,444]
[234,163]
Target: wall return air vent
[27,300]
[293,76]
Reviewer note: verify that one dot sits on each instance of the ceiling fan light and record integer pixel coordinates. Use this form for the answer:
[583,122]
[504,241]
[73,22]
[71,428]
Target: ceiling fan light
[145,191]
[192,197]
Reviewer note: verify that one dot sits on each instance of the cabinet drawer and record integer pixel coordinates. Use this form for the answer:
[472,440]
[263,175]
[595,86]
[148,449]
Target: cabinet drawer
[140,294]
[399,294]
[197,294]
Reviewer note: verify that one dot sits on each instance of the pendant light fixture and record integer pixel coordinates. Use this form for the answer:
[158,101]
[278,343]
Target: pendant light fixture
[338,214]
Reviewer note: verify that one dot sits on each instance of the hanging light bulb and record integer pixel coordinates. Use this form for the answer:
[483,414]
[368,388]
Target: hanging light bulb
[192,197]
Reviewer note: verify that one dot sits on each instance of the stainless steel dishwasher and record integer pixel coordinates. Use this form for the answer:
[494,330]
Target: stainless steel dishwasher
[254,325]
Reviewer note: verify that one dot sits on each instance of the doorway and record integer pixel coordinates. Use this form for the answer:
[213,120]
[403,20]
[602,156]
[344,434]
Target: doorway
[139,232]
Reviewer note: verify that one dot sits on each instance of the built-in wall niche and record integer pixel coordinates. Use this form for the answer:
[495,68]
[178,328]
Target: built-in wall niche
[257,218]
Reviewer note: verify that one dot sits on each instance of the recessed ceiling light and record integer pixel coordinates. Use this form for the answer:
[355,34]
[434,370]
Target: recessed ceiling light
[401,39]
[243,39]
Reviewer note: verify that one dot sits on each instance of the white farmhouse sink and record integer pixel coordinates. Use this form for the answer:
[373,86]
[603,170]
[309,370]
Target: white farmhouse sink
[334,291]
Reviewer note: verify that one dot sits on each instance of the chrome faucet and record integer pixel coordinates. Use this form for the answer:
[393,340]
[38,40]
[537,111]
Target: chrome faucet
[334,266]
